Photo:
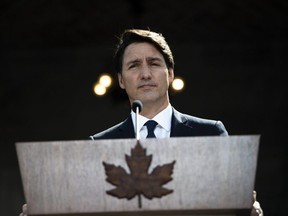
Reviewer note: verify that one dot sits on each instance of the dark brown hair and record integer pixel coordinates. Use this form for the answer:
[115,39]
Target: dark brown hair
[130,36]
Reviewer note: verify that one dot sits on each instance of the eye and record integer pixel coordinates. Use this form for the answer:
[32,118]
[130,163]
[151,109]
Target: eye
[155,63]
[133,65]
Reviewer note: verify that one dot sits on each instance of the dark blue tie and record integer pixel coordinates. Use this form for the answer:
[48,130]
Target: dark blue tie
[151,124]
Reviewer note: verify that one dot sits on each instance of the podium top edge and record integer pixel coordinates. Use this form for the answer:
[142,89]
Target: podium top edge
[257,136]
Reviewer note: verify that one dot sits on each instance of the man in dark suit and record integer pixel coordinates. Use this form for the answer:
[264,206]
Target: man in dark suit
[145,68]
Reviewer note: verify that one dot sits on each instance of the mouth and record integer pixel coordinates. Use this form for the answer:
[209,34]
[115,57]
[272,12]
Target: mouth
[147,86]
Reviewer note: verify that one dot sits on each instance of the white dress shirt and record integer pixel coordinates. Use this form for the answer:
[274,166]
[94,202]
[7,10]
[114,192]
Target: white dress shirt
[163,119]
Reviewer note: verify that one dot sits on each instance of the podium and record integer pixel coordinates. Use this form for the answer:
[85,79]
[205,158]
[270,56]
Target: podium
[174,176]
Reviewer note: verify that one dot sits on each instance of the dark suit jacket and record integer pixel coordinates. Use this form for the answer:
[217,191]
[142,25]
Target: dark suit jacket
[182,125]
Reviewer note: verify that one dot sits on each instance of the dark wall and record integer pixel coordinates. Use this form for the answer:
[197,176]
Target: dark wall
[232,55]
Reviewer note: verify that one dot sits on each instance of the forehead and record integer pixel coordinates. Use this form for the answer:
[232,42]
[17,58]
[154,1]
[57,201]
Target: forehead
[141,50]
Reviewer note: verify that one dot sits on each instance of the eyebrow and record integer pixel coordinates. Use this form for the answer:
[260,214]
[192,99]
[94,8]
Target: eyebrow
[132,62]
[148,59]
[154,59]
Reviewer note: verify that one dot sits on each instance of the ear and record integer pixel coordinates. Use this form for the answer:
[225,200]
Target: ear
[170,75]
[120,81]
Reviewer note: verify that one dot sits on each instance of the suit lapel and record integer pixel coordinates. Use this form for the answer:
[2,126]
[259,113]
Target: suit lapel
[179,126]
[126,129]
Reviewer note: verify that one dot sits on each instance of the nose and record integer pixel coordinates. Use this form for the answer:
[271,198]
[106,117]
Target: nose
[146,72]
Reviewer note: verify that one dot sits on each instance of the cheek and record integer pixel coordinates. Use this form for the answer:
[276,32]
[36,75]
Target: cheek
[166,80]
[127,82]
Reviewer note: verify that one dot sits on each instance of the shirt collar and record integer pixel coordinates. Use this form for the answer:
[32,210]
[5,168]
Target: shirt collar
[163,118]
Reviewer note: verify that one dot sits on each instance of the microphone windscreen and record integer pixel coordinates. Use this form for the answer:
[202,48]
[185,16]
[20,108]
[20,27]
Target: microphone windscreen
[135,104]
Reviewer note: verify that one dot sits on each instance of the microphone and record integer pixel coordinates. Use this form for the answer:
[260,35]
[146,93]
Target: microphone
[137,104]
[137,107]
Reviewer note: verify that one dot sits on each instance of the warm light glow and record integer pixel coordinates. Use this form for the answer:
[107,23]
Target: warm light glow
[105,80]
[99,89]
[178,84]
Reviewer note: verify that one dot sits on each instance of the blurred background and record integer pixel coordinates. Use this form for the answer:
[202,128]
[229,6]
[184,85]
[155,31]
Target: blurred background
[232,56]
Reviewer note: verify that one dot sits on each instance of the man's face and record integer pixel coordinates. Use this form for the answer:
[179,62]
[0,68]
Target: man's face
[145,76]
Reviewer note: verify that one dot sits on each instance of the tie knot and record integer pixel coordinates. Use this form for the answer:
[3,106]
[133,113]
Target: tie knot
[151,124]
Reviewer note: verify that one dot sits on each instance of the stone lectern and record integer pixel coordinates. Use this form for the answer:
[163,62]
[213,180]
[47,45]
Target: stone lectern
[175,176]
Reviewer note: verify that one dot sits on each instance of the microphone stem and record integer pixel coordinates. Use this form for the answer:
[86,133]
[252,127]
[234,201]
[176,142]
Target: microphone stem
[137,123]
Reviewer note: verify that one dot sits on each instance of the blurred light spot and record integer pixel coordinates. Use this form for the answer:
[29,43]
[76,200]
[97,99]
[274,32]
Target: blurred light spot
[105,80]
[178,84]
[99,89]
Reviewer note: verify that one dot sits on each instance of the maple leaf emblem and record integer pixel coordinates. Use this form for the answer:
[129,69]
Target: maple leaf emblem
[139,181]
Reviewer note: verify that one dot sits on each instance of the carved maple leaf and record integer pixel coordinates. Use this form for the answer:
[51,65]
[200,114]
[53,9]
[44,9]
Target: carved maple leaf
[139,181]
